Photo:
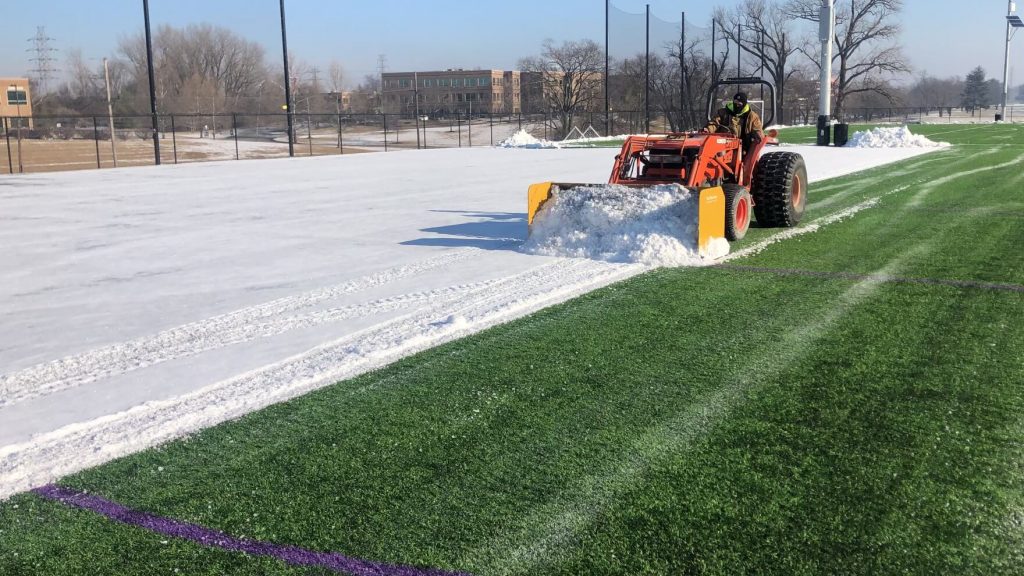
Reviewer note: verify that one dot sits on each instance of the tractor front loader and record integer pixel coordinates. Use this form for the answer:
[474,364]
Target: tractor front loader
[731,184]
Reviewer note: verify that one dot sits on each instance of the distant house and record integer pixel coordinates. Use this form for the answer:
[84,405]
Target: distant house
[359,102]
[452,90]
[15,100]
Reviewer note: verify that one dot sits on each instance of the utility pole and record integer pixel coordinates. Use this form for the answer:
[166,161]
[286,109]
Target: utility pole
[416,105]
[826,30]
[382,65]
[110,112]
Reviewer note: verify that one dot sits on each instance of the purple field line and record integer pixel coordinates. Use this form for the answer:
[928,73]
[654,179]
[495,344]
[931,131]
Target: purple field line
[207,537]
[1006,287]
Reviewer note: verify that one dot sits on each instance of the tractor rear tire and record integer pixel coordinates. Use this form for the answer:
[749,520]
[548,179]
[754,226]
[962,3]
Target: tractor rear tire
[779,187]
[737,211]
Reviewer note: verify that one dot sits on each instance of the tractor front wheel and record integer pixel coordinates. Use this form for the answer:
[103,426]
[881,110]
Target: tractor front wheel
[779,187]
[738,210]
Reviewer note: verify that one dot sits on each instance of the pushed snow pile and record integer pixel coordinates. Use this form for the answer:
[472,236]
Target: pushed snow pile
[900,137]
[523,139]
[656,226]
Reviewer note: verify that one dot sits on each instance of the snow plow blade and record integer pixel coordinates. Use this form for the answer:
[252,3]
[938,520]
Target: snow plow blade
[710,210]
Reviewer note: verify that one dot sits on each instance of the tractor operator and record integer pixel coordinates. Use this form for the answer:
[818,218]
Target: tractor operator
[737,118]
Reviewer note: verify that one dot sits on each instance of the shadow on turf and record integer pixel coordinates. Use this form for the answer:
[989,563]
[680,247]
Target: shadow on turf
[487,230]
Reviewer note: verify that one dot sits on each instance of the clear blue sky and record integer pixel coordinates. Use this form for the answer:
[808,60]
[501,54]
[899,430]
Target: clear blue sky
[942,37]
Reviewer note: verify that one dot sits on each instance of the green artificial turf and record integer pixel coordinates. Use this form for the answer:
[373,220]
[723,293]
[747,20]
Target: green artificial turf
[686,421]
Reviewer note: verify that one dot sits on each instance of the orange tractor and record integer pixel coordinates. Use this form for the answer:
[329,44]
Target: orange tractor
[732,182]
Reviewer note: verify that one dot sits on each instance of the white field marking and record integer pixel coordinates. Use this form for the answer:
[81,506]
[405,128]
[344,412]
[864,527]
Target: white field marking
[917,198]
[972,127]
[195,337]
[50,455]
[72,371]
[563,520]
[852,188]
[812,227]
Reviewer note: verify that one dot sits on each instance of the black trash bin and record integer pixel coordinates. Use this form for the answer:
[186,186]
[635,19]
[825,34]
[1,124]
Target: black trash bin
[999,117]
[840,134]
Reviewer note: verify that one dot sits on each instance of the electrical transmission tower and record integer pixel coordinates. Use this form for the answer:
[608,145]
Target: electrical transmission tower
[43,60]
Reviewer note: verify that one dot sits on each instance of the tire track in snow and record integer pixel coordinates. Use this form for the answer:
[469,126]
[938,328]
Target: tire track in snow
[50,455]
[204,335]
[145,352]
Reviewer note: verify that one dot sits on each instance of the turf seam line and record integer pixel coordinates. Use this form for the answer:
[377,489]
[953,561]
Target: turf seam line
[208,537]
[1005,287]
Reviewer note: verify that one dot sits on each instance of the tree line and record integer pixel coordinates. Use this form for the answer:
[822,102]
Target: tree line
[206,69]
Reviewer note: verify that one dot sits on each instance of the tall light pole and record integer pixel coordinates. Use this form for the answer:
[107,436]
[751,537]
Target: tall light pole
[152,84]
[1012,21]
[287,85]
[826,30]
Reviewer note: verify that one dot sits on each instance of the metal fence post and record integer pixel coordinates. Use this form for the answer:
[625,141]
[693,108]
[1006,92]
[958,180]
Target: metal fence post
[174,140]
[520,120]
[234,129]
[96,137]
[7,134]
[491,118]
[458,117]
[309,130]
[341,140]
[469,128]
[385,132]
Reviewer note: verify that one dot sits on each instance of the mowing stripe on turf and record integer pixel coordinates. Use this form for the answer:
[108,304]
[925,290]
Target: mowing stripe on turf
[877,278]
[926,189]
[292,555]
[563,520]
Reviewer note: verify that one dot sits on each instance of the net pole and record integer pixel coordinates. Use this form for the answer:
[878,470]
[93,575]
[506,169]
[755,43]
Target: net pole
[682,69]
[607,106]
[647,74]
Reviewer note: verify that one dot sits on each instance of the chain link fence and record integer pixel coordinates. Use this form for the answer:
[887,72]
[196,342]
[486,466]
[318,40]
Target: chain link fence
[41,144]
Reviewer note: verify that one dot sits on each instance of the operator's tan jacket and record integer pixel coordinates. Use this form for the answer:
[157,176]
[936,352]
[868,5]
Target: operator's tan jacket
[740,123]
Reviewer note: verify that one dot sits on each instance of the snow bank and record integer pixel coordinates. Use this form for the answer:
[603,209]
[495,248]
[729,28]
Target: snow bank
[900,137]
[656,226]
[523,139]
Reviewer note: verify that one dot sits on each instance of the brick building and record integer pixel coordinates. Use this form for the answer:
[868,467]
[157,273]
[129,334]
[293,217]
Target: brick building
[15,98]
[476,91]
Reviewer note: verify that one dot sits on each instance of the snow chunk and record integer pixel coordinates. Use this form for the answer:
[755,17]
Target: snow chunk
[656,225]
[900,137]
[523,139]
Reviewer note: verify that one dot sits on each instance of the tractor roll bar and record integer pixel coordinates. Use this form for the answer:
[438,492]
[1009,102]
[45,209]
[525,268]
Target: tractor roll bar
[742,81]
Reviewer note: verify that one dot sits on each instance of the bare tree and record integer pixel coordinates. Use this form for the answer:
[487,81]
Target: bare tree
[865,45]
[933,93]
[566,78]
[767,36]
[195,55]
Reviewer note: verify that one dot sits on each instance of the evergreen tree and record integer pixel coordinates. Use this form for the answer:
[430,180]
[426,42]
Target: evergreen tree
[975,90]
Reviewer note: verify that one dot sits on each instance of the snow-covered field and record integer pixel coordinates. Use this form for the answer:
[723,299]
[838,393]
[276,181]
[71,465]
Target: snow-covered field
[140,304]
